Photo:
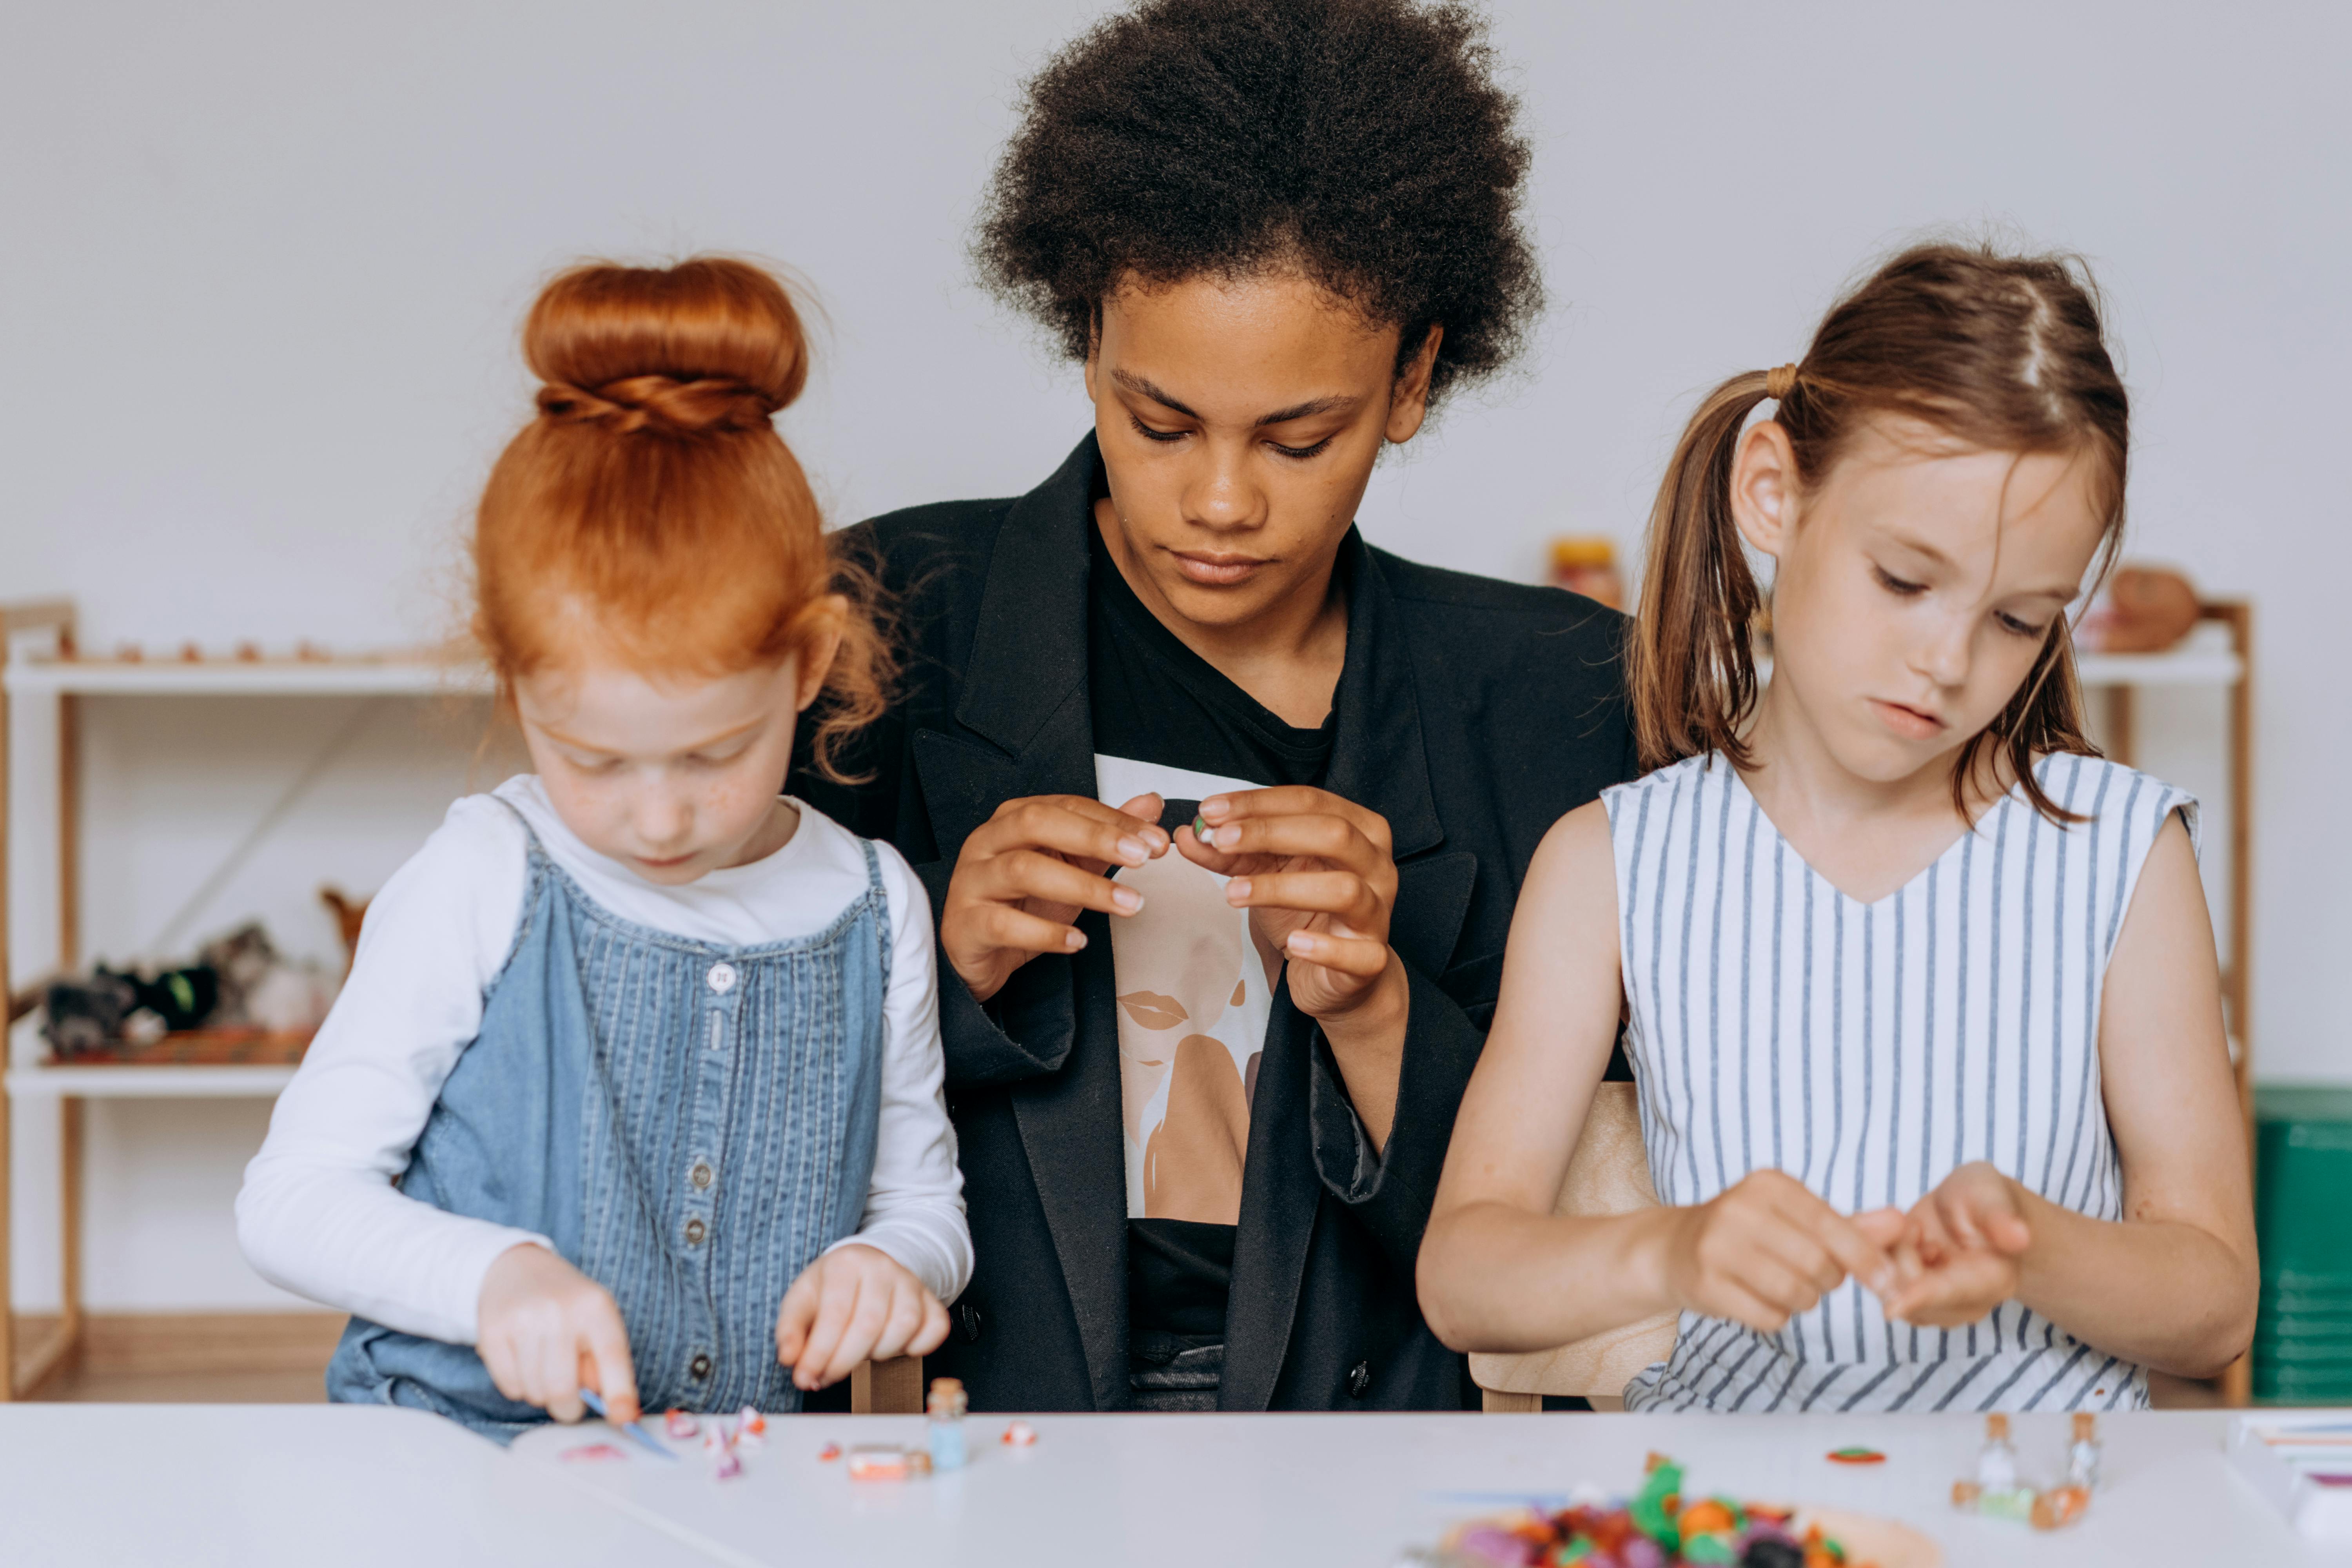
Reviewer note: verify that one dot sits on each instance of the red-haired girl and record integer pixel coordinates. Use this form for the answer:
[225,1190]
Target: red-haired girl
[635,1085]
[1920,993]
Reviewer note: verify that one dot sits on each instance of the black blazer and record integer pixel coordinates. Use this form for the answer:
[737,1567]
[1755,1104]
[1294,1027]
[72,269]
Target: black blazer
[1471,714]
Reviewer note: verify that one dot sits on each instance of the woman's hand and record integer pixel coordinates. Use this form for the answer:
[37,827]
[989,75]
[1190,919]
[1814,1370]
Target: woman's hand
[1960,1251]
[855,1303]
[1318,876]
[546,1330]
[1764,1250]
[1024,874]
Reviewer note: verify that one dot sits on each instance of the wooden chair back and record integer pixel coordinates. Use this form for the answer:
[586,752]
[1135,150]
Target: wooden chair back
[1608,1174]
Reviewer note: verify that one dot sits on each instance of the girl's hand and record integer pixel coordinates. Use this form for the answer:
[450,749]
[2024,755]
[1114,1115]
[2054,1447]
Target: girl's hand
[1959,1254]
[1318,876]
[1024,874]
[1765,1249]
[546,1332]
[855,1303]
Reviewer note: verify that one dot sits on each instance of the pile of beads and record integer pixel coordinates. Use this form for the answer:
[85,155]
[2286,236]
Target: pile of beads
[1655,1527]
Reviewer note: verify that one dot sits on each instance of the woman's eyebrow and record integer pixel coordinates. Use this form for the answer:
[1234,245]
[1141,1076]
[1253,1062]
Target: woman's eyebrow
[1143,387]
[1311,406]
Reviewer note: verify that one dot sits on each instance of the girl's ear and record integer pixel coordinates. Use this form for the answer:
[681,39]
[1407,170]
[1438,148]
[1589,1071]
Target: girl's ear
[1764,487]
[1409,399]
[817,653]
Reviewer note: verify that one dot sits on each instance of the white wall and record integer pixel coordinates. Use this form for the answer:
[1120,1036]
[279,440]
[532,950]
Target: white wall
[260,268]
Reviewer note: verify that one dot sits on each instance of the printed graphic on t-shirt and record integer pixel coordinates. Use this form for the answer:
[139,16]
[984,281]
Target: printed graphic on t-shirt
[1196,987]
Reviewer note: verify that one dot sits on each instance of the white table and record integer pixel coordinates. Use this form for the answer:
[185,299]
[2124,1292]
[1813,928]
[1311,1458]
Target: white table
[261,1486]
[1189,1491]
[287,1486]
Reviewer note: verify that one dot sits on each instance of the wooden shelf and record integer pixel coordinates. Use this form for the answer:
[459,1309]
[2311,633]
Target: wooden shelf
[185,1080]
[233,678]
[2189,665]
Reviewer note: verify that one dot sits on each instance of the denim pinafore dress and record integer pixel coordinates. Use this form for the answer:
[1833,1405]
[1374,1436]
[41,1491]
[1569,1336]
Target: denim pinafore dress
[691,1123]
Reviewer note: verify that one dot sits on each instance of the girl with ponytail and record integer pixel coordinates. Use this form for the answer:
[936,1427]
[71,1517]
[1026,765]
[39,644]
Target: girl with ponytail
[635,1086]
[1920,993]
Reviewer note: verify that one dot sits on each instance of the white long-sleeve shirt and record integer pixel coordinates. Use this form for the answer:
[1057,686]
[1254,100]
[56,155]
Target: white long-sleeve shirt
[319,1215]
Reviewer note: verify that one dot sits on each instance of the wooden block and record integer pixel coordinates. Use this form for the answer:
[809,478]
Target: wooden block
[888,1387]
[1498,1403]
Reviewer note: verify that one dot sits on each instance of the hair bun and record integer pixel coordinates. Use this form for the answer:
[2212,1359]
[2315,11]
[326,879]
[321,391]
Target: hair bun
[711,343]
[662,402]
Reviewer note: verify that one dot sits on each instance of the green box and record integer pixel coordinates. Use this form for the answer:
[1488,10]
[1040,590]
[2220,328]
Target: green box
[2302,1220]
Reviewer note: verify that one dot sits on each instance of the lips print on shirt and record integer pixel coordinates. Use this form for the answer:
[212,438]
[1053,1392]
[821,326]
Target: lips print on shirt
[1195,988]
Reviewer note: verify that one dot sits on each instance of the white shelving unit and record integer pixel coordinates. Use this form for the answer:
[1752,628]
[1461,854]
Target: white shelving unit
[57,677]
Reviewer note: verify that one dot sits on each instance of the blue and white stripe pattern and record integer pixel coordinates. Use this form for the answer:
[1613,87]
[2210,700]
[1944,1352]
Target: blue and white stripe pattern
[1871,1049]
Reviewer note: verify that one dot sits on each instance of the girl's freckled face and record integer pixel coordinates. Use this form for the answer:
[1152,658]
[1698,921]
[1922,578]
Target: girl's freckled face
[672,776]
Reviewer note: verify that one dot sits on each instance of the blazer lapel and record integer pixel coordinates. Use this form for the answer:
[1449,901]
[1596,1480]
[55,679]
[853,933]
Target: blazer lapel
[1378,760]
[1026,729]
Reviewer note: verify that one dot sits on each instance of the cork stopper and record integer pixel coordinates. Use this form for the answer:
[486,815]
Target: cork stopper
[2087,1426]
[1996,1429]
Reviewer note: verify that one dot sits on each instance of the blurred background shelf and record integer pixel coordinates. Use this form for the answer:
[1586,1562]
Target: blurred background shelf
[197,1064]
[206,1081]
[237,678]
[39,662]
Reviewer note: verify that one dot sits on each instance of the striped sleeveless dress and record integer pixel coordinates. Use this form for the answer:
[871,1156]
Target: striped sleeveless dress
[1871,1049]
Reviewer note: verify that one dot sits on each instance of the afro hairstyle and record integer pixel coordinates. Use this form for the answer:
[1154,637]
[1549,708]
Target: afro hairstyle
[1363,141]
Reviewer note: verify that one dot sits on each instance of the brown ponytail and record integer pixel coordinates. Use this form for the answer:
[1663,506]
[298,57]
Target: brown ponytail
[652,490]
[2005,353]
[1692,659]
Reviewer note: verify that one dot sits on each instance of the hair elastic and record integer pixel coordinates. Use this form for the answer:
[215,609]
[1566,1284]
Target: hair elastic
[1779,381]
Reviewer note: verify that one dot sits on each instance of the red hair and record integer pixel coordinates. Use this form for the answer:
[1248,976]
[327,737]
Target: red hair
[652,499]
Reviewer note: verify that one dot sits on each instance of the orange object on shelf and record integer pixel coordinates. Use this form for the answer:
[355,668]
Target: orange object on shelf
[2146,609]
[1587,564]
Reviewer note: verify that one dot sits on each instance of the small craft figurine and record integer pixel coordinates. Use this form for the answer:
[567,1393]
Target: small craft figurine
[828,1454]
[1998,1493]
[1653,1507]
[946,1409]
[2083,1455]
[878,1462]
[887,1462]
[677,1423]
[1020,1434]
[1995,1489]
[2059,1507]
[718,1448]
[751,1427]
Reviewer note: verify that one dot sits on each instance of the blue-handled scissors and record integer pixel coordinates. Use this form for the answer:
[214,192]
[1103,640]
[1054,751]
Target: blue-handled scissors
[636,1429]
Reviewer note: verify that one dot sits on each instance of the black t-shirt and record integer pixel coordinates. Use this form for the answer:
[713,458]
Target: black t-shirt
[1161,711]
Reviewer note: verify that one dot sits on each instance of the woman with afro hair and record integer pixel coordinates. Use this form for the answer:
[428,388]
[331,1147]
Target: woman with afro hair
[1222,810]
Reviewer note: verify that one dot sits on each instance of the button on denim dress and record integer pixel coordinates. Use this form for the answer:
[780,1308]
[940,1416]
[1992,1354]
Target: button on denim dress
[691,1123]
